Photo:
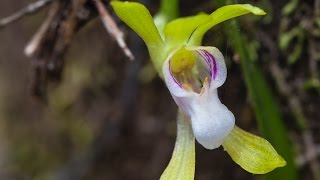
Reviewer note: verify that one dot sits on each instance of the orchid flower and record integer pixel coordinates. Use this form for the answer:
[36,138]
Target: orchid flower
[193,74]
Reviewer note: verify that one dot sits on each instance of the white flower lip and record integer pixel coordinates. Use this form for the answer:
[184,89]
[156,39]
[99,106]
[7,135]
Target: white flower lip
[211,120]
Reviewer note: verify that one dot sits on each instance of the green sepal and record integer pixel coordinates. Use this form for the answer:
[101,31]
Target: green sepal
[182,163]
[253,153]
[138,18]
[222,14]
[179,31]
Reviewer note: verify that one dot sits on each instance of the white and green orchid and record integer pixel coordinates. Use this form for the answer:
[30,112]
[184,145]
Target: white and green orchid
[193,74]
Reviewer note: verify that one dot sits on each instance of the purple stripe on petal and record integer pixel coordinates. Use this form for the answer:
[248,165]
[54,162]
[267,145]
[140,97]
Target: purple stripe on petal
[212,63]
[206,59]
[204,56]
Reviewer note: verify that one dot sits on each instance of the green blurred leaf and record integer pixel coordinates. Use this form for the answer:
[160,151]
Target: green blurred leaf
[182,163]
[168,11]
[312,83]
[290,7]
[267,113]
[287,38]
[266,109]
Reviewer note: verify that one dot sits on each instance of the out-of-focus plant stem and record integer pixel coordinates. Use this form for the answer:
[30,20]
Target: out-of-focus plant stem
[169,10]
[266,110]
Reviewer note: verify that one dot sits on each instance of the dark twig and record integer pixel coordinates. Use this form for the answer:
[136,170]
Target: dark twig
[112,28]
[35,43]
[30,9]
[317,7]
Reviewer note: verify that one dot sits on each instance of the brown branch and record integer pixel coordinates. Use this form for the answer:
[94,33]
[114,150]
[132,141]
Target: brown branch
[30,9]
[112,28]
[51,41]
[49,44]
[35,43]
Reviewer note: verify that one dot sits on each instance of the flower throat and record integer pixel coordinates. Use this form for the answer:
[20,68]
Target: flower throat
[188,71]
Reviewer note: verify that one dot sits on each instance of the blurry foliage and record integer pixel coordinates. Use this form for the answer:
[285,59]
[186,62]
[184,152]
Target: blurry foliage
[295,38]
[290,7]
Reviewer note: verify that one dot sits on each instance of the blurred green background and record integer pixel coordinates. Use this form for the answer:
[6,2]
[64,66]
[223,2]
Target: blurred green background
[111,118]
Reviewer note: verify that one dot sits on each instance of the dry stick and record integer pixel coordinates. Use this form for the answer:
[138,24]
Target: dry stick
[317,8]
[33,46]
[294,105]
[314,72]
[313,58]
[112,28]
[30,9]
[305,158]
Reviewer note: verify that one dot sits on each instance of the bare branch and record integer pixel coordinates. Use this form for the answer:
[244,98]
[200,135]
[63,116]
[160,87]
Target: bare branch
[33,46]
[304,159]
[30,9]
[112,28]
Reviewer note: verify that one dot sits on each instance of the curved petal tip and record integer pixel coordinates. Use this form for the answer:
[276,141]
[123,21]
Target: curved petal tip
[254,154]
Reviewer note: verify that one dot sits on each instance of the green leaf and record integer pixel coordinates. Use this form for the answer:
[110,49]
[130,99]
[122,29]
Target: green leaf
[222,14]
[253,153]
[266,109]
[265,106]
[290,7]
[179,31]
[137,17]
[182,163]
[287,38]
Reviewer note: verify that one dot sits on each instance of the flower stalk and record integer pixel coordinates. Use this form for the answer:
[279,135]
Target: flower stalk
[182,163]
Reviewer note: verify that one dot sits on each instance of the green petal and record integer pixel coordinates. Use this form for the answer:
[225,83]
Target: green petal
[253,153]
[182,163]
[137,17]
[222,14]
[178,32]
